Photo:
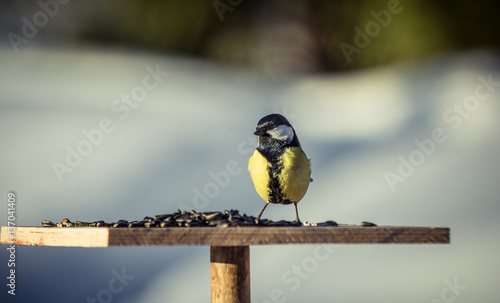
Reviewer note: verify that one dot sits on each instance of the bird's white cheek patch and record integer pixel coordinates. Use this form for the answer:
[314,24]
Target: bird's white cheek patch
[282,132]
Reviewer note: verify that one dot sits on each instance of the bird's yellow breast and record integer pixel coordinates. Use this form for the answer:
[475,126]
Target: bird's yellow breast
[293,178]
[258,167]
[295,175]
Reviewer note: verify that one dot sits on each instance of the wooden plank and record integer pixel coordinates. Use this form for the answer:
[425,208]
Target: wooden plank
[230,274]
[43,236]
[231,236]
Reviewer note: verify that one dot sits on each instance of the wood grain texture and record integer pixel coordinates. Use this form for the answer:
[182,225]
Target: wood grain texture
[74,237]
[231,236]
[230,274]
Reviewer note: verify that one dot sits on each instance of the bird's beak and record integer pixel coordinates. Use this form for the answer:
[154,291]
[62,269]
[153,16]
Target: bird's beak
[259,133]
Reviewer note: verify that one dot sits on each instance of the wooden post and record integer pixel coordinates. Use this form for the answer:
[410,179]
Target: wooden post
[230,274]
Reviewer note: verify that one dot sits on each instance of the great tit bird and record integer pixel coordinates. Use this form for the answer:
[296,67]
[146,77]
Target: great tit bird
[279,168]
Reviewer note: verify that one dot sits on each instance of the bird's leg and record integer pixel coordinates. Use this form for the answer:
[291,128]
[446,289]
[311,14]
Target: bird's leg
[296,212]
[258,217]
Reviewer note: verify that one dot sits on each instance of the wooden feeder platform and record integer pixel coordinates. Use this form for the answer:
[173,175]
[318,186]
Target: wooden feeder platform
[229,247]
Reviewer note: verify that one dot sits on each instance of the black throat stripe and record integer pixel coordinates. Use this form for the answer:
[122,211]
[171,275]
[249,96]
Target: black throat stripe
[273,155]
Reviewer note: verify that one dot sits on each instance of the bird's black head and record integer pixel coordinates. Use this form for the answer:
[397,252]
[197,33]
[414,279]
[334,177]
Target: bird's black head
[275,131]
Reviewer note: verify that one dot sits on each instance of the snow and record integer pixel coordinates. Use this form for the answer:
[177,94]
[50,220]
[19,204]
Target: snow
[355,127]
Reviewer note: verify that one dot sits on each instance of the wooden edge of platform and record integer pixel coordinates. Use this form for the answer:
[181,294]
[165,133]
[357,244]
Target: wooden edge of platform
[230,236]
[47,236]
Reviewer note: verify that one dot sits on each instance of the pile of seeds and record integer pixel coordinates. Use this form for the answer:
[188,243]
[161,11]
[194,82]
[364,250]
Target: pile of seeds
[192,218]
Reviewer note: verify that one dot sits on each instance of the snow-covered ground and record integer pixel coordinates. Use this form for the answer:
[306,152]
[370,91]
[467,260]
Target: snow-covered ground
[107,134]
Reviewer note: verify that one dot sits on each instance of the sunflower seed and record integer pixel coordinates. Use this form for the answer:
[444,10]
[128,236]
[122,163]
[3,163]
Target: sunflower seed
[226,218]
[81,224]
[47,223]
[212,216]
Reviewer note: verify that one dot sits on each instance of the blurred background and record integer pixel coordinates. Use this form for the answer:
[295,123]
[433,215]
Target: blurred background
[124,109]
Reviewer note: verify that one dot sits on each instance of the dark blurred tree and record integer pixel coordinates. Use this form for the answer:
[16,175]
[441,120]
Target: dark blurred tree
[279,36]
[175,25]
